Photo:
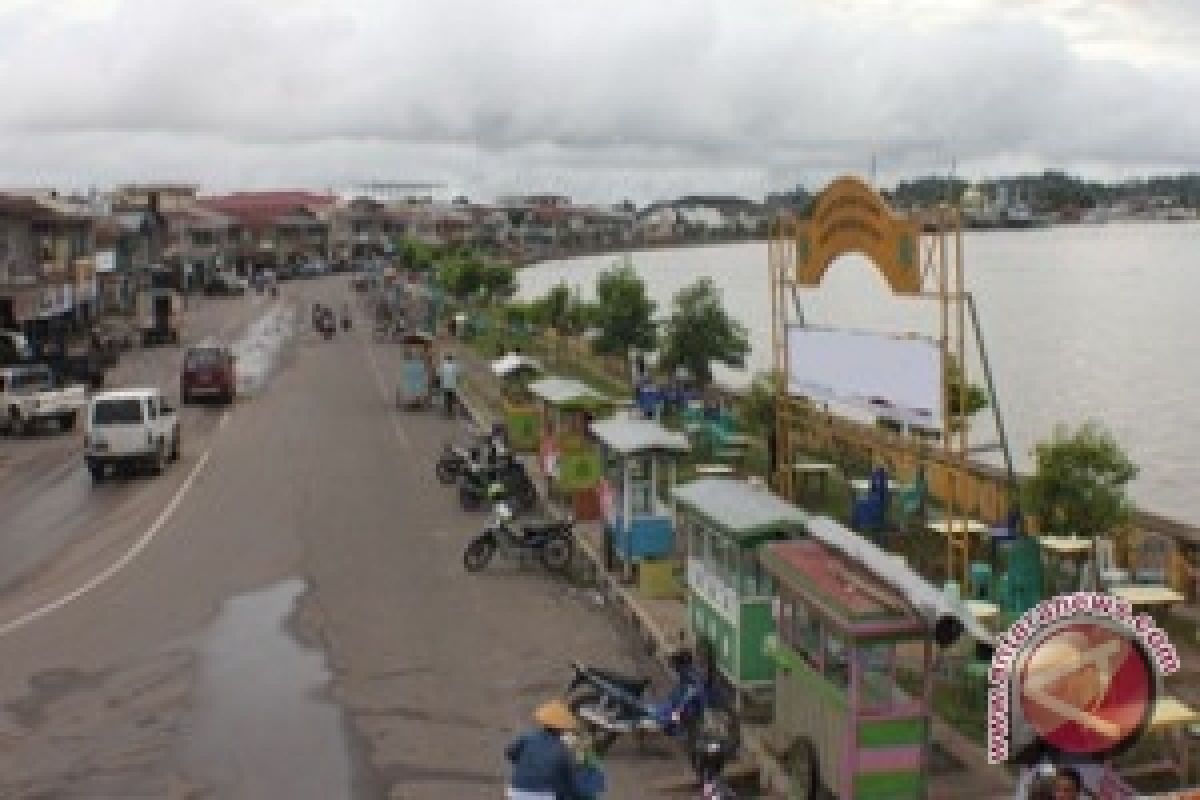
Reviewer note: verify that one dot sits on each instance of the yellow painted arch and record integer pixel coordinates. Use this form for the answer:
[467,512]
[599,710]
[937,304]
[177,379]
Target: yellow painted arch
[851,217]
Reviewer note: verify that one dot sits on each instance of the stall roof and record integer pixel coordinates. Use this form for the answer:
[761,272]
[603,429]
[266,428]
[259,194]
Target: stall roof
[815,570]
[631,435]
[514,363]
[741,509]
[560,391]
[896,573]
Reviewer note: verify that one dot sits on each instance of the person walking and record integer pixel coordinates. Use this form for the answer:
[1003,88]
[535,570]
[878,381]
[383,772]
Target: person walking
[549,762]
[448,382]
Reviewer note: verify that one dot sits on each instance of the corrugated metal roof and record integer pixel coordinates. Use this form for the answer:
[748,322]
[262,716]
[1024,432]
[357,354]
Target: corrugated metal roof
[631,435]
[739,507]
[558,391]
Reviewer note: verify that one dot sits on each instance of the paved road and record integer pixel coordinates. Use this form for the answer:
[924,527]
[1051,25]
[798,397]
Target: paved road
[284,614]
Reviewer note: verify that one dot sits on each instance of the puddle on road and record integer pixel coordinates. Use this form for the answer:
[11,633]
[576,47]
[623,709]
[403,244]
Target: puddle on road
[261,726]
[258,351]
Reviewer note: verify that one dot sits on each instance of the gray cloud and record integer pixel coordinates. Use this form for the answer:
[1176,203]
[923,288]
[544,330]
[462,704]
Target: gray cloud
[623,96]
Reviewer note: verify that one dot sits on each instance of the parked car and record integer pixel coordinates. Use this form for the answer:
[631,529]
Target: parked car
[130,428]
[208,370]
[226,283]
[28,398]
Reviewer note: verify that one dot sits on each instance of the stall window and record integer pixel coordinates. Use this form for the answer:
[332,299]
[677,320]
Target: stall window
[641,501]
[756,581]
[876,667]
[723,555]
[837,660]
[785,622]
[806,634]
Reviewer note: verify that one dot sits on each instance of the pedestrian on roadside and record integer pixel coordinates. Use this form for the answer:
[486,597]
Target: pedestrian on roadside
[550,762]
[448,381]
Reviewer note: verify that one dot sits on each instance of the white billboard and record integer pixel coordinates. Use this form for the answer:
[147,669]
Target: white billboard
[884,376]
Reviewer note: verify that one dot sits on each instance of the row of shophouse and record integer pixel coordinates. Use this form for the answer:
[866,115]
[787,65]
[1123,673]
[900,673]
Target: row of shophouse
[64,260]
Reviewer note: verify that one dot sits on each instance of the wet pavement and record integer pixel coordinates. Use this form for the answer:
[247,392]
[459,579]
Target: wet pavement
[263,724]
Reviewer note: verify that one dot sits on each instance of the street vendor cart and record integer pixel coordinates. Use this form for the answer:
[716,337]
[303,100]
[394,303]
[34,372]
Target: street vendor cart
[638,525]
[729,595]
[416,371]
[843,723]
[567,457]
[522,418]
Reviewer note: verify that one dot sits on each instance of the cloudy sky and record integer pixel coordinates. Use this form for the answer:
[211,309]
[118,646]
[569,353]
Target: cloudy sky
[603,100]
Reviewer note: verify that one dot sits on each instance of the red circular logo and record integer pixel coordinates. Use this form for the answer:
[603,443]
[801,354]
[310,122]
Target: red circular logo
[1086,688]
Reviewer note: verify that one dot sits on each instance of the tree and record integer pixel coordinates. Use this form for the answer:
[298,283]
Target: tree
[461,276]
[499,281]
[1080,479]
[699,332]
[757,405]
[1079,485]
[623,312]
[416,255]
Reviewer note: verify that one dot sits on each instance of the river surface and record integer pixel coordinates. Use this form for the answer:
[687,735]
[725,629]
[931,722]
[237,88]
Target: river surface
[1080,322]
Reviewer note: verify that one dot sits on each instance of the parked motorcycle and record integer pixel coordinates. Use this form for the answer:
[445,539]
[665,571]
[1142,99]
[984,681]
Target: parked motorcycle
[549,540]
[478,482]
[611,705]
[457,457]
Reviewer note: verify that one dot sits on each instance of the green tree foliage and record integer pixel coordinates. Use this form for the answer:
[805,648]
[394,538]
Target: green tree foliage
[699,332]
[499,281]
[758,404]
[465,275]
[623,312]
[976,399]
[416,255]
[562,310]
[461,276]
[1080,482]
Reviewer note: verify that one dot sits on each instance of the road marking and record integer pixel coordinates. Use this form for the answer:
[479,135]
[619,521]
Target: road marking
[401,436]
[125,560]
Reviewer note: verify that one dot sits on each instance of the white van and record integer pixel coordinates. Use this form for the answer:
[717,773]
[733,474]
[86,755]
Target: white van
[130,428]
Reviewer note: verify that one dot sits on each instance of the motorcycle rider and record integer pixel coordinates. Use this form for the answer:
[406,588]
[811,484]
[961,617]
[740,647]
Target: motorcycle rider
[544,766]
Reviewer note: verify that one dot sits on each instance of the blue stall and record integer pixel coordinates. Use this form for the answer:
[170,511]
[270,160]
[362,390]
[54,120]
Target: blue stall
[637,522]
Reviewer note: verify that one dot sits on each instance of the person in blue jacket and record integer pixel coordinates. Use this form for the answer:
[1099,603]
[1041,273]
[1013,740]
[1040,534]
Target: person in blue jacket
[544,766]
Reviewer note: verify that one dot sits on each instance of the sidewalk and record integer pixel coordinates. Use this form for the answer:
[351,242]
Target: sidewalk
[661,625]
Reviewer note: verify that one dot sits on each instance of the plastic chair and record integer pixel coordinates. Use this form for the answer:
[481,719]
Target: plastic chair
[981,581]
[1110,572]
[911,499]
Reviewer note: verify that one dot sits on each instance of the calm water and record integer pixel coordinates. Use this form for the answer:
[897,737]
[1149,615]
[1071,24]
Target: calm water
[1079,322]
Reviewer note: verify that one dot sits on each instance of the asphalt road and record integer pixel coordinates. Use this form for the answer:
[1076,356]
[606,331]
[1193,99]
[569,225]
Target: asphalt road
[284,613]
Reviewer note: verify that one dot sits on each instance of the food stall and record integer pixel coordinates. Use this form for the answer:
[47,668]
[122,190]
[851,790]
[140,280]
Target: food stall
[567,457]
[729,594]
[522,418]
[637,523]
[841,722]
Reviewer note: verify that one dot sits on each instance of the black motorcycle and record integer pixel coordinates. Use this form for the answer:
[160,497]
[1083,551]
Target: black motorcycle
[550,540]
[505,479]
[456,458]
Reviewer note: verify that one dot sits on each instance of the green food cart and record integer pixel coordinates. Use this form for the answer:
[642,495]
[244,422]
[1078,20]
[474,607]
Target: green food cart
[842,722]
[729,594]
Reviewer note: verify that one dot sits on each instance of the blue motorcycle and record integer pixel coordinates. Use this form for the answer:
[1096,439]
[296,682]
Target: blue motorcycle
[609,704]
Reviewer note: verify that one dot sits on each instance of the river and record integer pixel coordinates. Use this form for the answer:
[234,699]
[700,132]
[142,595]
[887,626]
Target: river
[1080,322]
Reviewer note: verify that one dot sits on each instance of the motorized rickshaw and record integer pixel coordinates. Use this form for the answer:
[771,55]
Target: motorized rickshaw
[416,371]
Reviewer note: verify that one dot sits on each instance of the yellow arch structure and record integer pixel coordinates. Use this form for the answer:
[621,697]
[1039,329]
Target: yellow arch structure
[849,216]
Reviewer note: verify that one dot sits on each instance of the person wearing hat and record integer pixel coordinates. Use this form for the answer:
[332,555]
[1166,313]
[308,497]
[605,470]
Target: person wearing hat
[544,767]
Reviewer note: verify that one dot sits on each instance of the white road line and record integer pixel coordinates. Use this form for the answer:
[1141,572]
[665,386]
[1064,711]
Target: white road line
[141,544]
[401,436]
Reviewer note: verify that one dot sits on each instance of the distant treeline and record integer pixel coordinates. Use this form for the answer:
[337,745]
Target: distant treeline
[1052,191]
